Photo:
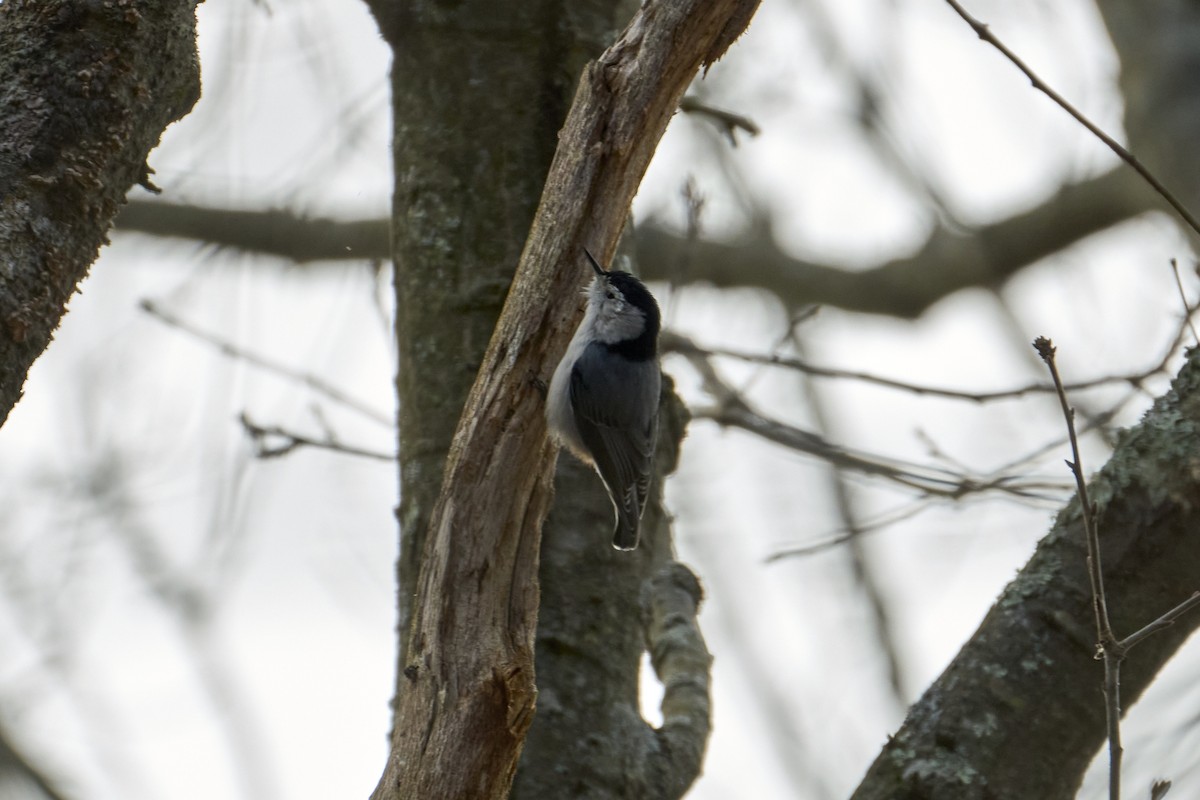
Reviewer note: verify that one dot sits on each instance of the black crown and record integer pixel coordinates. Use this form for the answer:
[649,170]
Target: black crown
[637,295]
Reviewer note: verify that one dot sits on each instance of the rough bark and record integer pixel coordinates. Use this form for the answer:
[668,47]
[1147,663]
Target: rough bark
[589,740]
[1019,712]
[86,90]
[479,90]
[467,694]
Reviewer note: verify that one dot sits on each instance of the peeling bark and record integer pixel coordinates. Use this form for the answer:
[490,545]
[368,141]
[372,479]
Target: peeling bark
[589,740]
[468,694]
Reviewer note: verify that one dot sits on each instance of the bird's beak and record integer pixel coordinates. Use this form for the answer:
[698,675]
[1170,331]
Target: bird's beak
[600,271]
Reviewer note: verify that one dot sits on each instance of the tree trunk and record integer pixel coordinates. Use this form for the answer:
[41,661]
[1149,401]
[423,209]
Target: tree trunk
[589,740]
[1157,45]
[466,696]
[86,90]
[479,91]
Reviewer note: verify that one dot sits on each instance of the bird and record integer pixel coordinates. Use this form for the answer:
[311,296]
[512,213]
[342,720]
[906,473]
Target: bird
[602,404]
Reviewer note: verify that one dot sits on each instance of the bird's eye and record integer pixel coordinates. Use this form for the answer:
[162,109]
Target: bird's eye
[610,295]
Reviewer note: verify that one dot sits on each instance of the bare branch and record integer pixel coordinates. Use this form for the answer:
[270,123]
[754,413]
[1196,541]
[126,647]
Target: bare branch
[949,260]
[985,33]
[728,122]
[1157,625]
[670,605]
[275,232]
[677,343]
[1110,650]
[236,351]
[845,534]
[731,410]
[286,441]
[1044,724]
[1183,298]
[472,630]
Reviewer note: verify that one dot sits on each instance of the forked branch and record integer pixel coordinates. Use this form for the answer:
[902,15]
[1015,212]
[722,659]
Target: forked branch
[1109,649]
[462,715]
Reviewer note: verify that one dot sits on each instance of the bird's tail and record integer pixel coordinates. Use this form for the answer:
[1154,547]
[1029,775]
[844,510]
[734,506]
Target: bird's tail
[625,536]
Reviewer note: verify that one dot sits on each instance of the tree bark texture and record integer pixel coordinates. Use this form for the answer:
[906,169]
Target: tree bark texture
[1019,712]
[86,90]
[467,692]
[589,740]
[479,90]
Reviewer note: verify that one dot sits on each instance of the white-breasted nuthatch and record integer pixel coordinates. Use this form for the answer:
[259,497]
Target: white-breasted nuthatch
[603,398]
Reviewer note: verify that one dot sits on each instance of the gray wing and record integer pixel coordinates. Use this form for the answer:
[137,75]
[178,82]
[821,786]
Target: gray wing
[615,401]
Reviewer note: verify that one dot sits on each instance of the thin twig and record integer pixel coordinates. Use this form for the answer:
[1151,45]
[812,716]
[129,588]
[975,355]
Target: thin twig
[1111,650]
[1046,350]
[1108,649]
[672,342]
[841,535]
[1166,620]
[1112,711]
[730,410]
[236,351]
[986,35]
[1183,296]
[729,122]
[289,441]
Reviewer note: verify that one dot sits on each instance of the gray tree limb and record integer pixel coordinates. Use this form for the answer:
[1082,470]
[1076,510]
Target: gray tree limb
[468,694]
[86,90]
[1019,712]
[469,164]
[948,261]
[271,232]
[589,740]
[670,605]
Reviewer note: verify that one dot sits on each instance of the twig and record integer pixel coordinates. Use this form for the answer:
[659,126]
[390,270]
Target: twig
[1165,621]
[260,434]
[1183,296]
[1159,789]
[1045,349]
[730,410]
[729,122]
[986,35]
[863,568]
[236,351]
[1111,650]
[841,535]
[672,342]
[1108,648]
